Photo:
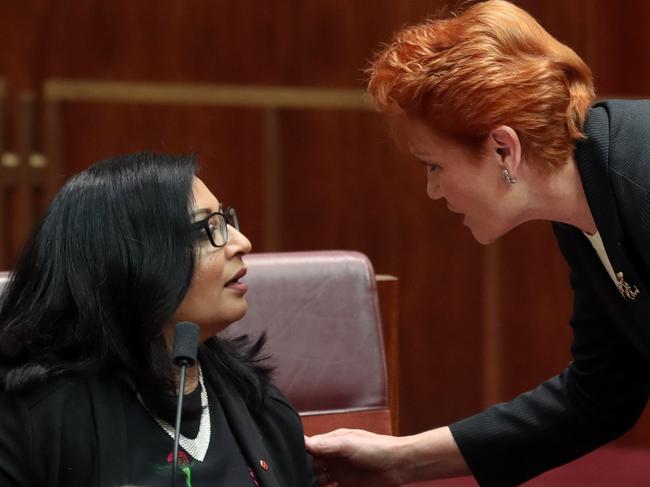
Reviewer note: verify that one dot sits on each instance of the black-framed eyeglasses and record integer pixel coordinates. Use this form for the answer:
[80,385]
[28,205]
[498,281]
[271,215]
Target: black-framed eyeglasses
[216,225]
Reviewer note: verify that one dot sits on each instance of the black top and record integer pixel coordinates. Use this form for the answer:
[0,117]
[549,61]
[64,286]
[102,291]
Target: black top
[152,454]
[604,390]
[93,433]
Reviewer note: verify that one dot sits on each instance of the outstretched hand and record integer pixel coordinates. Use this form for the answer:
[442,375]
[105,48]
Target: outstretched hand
[350,458]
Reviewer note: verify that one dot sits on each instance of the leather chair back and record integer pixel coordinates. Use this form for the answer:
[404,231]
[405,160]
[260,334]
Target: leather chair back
[321,315]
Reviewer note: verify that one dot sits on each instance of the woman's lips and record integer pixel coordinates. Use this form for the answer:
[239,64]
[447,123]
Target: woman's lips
[240,287]
[235,284]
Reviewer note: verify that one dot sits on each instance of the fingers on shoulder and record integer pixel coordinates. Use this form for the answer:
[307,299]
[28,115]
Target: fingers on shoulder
[334,443]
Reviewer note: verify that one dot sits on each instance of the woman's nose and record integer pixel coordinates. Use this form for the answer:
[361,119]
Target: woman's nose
[237,242]
[434,191]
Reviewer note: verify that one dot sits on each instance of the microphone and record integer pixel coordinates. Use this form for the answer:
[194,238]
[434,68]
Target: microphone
[186,340]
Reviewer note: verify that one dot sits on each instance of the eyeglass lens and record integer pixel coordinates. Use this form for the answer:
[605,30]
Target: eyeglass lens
[218,225]
[231,216]
[218,229]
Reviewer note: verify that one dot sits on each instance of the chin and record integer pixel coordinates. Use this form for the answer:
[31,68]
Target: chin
[485,241]
[225,319]
[484,238]
[236,312]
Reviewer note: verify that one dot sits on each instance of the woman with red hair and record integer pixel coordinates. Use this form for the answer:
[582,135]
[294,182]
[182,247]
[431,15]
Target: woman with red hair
[501,114]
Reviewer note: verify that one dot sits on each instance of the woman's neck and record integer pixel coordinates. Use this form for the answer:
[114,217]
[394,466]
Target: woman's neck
[191,378]
[560,196]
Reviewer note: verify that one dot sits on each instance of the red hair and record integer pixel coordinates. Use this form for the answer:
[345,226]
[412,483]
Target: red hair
[492,65]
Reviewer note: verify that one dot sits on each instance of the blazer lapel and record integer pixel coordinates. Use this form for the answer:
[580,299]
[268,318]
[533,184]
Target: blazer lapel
[246,432]
[593,156]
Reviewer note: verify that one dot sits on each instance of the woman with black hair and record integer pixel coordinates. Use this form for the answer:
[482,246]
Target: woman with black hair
[128,248]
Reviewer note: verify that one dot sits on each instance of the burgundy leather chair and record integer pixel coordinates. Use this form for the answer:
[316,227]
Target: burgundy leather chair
[321,313]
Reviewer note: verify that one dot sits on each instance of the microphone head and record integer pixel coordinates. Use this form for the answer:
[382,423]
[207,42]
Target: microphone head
[186,342]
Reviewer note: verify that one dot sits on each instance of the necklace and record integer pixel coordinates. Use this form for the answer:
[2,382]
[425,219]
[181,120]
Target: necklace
[196,447]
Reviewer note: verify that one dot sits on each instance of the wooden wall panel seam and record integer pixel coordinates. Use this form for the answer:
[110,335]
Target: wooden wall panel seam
[492,336]
[272,181]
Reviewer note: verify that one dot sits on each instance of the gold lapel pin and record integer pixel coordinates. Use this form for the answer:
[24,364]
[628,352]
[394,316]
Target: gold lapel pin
[627,291]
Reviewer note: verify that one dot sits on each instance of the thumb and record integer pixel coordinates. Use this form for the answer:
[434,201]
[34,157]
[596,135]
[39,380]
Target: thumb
[325,445]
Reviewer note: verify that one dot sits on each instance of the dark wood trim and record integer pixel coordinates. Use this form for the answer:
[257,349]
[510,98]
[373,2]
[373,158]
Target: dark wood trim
[388,293]
[375,420]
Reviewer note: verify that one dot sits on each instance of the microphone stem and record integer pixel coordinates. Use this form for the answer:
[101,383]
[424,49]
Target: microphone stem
[177,427]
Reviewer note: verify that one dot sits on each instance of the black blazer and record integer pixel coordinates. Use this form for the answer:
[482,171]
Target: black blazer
[605,388]
[72,433]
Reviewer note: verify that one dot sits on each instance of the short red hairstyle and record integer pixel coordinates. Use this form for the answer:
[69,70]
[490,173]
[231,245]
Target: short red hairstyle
[491,65]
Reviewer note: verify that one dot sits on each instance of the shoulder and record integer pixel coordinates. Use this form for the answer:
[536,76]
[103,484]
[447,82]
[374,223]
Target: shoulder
[65,409]
[619,121]
[51,408]
[616,151]
[279,415]
[39,424]
[276,399]
[628,138]
[629,160]
[47,395]
[623,111]
[43,396]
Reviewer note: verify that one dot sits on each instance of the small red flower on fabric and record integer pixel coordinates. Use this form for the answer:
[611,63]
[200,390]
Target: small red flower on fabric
[182,458]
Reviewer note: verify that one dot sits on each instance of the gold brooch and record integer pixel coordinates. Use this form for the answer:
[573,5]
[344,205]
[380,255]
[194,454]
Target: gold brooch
[627,291]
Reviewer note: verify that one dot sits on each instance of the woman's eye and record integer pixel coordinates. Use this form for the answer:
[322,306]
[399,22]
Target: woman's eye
[430,167]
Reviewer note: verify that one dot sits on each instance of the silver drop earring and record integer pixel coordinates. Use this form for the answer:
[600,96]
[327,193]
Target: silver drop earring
[507,177]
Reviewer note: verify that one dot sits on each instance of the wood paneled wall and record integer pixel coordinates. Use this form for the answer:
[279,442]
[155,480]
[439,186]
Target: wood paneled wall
[478,324]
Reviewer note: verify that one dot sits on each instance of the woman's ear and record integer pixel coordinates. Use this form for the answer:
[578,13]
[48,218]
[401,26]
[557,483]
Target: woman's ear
[505,144]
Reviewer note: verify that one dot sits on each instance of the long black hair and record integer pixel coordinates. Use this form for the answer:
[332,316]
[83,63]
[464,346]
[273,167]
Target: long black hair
[103,274]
